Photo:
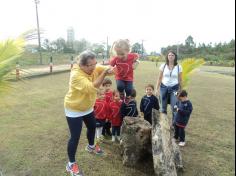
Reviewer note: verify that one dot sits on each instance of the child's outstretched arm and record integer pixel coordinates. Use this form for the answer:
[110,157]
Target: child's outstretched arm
[135,64]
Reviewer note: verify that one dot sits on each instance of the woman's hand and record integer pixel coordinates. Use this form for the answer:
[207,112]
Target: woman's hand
[110,70]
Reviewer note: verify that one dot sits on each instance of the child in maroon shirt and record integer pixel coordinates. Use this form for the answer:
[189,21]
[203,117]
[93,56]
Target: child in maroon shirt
[114,109]
[100,111]
[125,63]
[106,84]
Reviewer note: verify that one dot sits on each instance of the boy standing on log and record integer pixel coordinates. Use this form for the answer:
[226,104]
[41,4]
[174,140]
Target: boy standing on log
[148,102]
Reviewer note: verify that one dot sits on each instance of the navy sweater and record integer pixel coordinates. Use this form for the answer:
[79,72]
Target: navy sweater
[147,103]
[184,112]
[129,109]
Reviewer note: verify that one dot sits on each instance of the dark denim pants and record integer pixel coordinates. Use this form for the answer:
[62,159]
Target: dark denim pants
[75,127]
[168,93]
[124,86]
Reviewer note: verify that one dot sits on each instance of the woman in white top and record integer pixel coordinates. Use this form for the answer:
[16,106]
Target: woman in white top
[169,82]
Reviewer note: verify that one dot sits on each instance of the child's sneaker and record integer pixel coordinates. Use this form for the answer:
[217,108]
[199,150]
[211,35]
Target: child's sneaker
[74,170]
[181,144]
[113,138]
[97,150]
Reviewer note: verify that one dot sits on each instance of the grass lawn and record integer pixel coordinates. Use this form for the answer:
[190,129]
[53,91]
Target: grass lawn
[34,132]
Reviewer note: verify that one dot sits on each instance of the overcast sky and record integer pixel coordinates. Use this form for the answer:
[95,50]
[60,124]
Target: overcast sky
[158,22]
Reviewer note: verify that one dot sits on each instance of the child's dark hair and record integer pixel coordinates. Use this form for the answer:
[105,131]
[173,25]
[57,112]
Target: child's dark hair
[133,93]
[106,81]
[183,93]
[150,85]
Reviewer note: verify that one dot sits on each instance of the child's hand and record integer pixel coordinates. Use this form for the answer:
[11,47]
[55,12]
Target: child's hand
[135,64]
[110,70]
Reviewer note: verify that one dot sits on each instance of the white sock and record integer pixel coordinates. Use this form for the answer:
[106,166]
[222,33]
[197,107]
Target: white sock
[99,132]
[71,163]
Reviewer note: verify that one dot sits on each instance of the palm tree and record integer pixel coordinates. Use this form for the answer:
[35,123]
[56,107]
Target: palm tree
[10,51]
[189,65]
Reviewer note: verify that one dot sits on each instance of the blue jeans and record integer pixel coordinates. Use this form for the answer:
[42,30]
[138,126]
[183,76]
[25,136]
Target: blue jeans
[75,126]
[126,86]
[168,93]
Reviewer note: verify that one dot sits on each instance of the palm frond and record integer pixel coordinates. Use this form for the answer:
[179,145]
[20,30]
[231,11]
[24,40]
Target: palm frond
[10,51]
[189,65]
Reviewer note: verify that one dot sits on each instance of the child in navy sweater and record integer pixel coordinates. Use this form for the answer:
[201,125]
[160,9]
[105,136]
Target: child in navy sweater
[129,108]
[183,110]
[149,102]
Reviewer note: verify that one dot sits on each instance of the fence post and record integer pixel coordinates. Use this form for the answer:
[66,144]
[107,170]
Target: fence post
[71,62]
[17,71]
[51,64]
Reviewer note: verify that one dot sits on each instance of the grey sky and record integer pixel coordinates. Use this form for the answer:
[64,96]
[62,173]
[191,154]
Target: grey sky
[158,22]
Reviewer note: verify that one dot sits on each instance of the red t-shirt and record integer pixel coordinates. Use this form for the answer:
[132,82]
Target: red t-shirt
[101,109]
[124,67]
[114,111]
[108,96]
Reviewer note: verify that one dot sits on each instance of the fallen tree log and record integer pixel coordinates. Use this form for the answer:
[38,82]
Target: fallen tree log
[167,157]
[139,138]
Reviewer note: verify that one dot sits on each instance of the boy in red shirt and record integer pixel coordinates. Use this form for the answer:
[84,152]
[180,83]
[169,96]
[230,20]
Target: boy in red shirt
[114,109]
[106,84]
[125,63]
[100,111]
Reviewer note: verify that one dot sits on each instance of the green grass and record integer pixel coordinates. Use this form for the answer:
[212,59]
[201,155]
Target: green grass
[34,131]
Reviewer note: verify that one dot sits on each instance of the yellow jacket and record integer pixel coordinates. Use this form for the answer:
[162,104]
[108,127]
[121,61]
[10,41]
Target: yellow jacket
[82,94]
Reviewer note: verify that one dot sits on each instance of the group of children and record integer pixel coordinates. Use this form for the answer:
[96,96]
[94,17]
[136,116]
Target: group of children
[112,106]
[110,109]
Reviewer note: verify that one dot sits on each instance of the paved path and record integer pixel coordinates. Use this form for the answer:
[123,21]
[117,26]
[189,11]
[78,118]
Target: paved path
[39,71]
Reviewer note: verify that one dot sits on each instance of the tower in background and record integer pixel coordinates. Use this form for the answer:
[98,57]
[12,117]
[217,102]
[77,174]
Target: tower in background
[70,37]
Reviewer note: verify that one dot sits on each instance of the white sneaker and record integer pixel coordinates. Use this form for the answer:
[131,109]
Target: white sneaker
[113,139]
[181,144]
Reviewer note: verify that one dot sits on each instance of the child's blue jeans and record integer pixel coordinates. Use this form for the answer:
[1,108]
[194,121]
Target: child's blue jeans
[126,86]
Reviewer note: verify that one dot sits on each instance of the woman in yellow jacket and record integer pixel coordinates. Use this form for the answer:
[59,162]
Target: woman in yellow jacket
[86,77]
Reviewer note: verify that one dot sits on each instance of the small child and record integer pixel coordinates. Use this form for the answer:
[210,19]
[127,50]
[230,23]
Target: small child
[125,63]
[130,108]
[100,111]
[106,84]
[114,109]
[183,110]
[148,102]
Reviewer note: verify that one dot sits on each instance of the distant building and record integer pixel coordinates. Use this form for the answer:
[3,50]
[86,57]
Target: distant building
[70,37]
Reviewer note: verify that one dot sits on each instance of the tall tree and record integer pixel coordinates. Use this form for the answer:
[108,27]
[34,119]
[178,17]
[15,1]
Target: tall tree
[189,41]
[137,48]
